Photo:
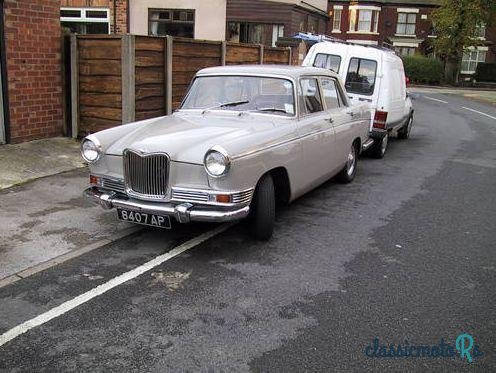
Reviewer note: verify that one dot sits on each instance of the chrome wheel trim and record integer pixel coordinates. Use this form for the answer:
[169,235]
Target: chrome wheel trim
[384,143]
[351,163]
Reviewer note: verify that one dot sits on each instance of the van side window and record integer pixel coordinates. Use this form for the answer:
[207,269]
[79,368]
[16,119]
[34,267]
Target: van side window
[312,101]
[327,61]
[361,75]
[330,93]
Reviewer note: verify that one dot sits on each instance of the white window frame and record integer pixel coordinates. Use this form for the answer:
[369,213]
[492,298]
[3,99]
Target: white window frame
[337,8]
[407,14]
[469,50]
[354,23]
[84,18]
[483,27]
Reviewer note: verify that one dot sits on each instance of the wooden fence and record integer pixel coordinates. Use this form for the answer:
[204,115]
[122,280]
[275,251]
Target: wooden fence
[120,79]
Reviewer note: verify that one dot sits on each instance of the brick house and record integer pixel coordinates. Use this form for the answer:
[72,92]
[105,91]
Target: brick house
[95,16]
[31,94]
[403,24]
[264,21]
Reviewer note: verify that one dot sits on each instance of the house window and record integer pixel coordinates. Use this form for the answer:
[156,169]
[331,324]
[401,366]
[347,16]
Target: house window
[470,60]
[406,23]
[86,20]
[336,21]
[363,20]
[405,51]
[174,22]
[480,31]
[254,33]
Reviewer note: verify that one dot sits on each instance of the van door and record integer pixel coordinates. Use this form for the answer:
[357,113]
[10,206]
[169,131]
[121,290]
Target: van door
[398,95]
[361,80]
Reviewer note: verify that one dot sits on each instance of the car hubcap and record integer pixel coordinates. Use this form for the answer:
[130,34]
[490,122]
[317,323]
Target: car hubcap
[351,161]
[384,144]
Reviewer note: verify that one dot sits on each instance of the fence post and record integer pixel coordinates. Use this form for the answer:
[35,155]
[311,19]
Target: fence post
[128,79]
[74,86]
[261,53]
[290,56]
[223,52]
[168,74]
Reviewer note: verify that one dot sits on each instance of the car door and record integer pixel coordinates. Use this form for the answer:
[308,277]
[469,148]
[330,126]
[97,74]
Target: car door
[316,134]
[341,117]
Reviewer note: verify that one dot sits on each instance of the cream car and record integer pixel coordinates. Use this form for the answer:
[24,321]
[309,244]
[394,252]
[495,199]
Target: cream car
[245,138]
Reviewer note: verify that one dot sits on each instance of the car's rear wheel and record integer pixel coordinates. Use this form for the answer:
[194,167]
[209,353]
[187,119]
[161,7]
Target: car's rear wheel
[404,133]
[348,172]
[262,209]
[379,147]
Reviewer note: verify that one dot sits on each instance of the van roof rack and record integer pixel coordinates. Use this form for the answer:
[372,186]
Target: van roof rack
[308,36]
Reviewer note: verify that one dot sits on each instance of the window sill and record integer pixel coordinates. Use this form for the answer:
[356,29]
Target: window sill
[467,72]
[406,35]
[363,32]
[336,31]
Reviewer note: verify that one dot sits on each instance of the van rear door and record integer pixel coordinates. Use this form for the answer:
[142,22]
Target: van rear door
[361,80]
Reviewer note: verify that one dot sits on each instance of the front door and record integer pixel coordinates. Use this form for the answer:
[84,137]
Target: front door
[316,134]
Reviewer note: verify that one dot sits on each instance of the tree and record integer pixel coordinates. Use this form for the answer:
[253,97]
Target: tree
[456,23]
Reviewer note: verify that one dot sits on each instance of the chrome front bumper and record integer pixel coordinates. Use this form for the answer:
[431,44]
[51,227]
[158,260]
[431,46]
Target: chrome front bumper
[183,212]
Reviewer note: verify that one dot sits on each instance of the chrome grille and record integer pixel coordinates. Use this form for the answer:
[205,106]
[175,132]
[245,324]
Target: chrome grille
[189,195]
[114,185]
[146,175]
[242,197]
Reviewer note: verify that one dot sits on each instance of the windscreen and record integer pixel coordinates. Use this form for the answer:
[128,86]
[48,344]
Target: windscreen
[242,93]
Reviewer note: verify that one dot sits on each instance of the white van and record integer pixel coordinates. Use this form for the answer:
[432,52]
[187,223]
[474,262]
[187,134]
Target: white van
[374,75]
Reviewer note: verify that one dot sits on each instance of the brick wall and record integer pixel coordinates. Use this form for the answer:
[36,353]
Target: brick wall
[32,42]
[120,10]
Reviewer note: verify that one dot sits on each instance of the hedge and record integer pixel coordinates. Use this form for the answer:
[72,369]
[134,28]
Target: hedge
[422,69]
[485,72]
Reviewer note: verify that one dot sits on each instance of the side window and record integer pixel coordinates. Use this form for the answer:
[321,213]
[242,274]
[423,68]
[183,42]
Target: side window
[330,93]
[312,101]
[327,61]
[361,75]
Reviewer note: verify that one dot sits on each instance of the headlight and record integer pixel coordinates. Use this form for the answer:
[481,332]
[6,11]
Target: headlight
[217,162]
[90,150]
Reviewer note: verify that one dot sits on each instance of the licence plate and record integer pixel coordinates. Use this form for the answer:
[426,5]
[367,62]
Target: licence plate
[161,221]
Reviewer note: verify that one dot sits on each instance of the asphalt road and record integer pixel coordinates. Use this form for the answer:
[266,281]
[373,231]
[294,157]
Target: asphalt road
[404,254]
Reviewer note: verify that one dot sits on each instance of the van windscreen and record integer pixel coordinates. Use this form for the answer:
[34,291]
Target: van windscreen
[327,61]
[361,75]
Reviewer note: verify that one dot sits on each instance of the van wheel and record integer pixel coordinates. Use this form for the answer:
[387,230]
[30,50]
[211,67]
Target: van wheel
[379,148]
[348,172]
[262,209]
[404,133]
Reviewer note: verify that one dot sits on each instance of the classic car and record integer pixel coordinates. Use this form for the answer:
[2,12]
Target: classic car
[243,139]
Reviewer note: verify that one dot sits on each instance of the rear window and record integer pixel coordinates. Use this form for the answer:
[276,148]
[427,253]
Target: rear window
[328,61]
[361,75]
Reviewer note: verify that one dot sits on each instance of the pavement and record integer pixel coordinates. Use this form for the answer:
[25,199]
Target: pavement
[44,218]
[404,254]
[486,96]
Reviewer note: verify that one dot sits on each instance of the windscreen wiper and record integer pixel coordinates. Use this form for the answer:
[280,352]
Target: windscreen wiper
[270,109]
[225,104]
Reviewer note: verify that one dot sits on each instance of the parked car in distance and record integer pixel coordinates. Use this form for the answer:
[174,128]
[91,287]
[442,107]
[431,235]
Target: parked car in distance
[243,138]
[372,75]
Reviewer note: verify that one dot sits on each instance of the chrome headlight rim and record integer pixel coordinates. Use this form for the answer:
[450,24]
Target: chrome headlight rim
[226,157]
[98,149]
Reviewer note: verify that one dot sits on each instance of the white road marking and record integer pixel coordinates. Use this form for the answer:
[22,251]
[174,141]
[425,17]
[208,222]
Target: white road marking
[479,112]
[435,99]
[103,288]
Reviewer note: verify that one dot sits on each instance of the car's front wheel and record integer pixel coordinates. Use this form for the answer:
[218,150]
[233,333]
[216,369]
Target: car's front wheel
[263,209]
[404,133]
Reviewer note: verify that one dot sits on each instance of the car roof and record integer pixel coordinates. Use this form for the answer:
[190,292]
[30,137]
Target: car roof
[363,51]
[279,70]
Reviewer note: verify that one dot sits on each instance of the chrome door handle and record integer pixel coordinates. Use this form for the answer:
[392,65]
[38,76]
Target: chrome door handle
[331,120]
